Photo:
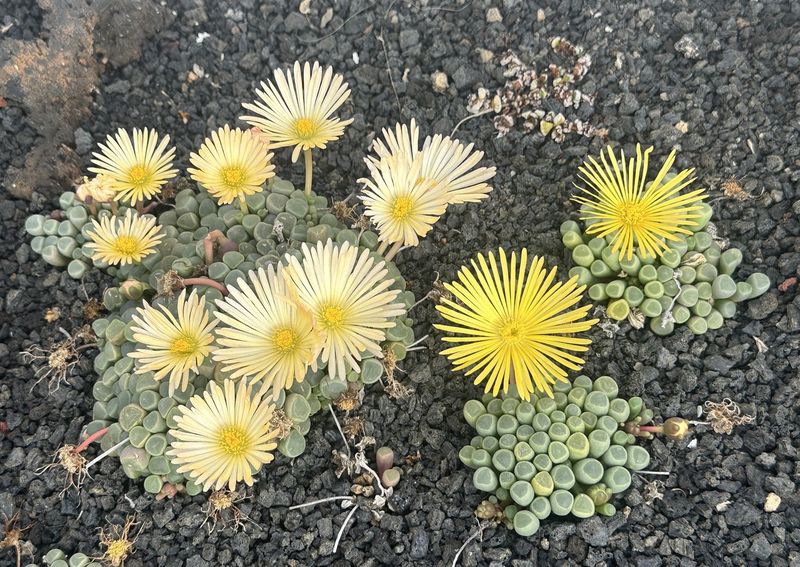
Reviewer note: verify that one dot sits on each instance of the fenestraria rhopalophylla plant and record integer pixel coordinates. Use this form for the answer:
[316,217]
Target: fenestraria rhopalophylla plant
[618,202]
[266,336]
[296,110]
[124,241]
[224,436]
[173,345]
[514,323]
[232,164]
[348,295]
[138,166]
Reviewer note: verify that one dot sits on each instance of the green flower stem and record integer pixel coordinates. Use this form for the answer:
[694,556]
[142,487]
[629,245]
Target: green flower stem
[243,205]
[309,171]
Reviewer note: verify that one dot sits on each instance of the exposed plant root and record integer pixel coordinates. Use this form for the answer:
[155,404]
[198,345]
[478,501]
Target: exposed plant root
[221,507]
[55,364]
[13,538]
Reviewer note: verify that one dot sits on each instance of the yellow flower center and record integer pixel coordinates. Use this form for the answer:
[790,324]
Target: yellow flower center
[184,345]
[118,550]
[402,207]
[632,214]
[332,316]
[233,441]
[304,128]
[510,331]
[126,246]
[138,175]
[285,340]
[233,176]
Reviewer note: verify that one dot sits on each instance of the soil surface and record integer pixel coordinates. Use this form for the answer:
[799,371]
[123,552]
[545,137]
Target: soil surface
[718,82]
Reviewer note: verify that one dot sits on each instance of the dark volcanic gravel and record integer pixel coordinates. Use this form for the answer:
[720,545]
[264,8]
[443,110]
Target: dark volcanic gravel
[726,74]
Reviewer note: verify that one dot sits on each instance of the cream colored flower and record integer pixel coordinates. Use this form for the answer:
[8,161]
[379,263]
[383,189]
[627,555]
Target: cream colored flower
[170,345]
[100,189]
[444,160]
[232,164]
[349,297]
[296,109]
[223,436]
[266,337]
[402,203]
[138,167]
[124,241]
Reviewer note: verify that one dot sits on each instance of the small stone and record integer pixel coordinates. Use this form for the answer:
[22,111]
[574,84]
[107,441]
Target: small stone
[419,543]
[593,531]
[83,141]
[688,47]
[682,127]
[493,15]
[774,163]
[628,104]
[484,54]
[409,38]
[540,15]
[759,547]
[762,307]
[439,81]
[772,502]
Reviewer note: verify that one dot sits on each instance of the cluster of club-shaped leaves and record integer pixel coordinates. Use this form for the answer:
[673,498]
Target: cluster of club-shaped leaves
[135,405]
[691,283]
[57,558]
[562,455]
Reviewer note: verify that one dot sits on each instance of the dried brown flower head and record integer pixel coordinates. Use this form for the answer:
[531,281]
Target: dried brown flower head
[732,189]
[725,415]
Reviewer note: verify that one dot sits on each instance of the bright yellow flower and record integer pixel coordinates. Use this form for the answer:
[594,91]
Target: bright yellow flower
[512,324]
[348,294]
[173,346]
[296,109]
[618,204]
[223,436]
[402,204]
[232,164]
[139,167]
[444,160]
[124,241]
[267,337]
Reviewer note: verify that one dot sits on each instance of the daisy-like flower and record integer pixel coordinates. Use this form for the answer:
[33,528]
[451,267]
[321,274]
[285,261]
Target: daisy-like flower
[223,436]
[296,109]
[349,297]
[267,337]
[619,204]
[513,324]
[124,241]
[171,345]
[232,164]
[444,160]
[138,167]
[99,189]
[403,204]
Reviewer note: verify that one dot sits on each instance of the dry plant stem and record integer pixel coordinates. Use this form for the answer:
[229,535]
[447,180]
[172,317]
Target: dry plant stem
[478,533]
[396,247]
[114,207]
[470,117]
[208,244]
[140,207]
[344,525]
[309,170]
[104,454]
[339,427]
[320,501]
[92,207]
[149,207]
[206,281]
[93,437]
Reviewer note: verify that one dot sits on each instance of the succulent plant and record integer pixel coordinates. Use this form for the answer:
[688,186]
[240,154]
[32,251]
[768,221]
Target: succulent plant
[563,455]
[691,283]
[137,406]
[57,558]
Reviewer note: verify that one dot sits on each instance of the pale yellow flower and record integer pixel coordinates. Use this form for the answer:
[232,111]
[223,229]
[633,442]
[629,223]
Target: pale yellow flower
[348,294]
[123,241]
[444,160]
[138,167]
[296,109]
[100,189]
[403,204]
[266,337]
[170,345]
[232,164]
[223,436]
